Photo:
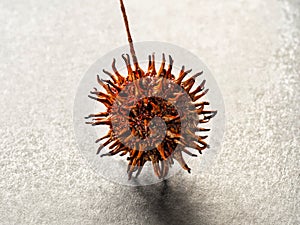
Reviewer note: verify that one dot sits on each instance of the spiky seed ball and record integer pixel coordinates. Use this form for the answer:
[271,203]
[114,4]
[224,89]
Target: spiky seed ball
[121,140]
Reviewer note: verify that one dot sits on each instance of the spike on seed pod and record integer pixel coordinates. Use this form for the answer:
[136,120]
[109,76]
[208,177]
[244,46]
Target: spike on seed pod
[176,140]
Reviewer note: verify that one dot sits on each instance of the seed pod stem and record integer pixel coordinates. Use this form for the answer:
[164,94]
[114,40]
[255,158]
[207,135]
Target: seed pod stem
[132,51]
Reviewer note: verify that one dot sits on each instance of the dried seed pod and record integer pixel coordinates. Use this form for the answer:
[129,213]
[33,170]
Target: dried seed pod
[144,125]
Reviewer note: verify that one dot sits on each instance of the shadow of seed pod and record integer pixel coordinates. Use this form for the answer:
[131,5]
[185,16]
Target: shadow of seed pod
[153,115]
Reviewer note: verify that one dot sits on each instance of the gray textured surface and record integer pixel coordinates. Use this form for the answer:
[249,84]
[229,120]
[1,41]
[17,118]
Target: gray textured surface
[252,48]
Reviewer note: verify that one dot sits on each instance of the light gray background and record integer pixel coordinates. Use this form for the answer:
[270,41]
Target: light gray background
[251,47]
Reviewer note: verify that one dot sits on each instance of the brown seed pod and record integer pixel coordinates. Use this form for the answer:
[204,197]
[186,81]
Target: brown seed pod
[130,117]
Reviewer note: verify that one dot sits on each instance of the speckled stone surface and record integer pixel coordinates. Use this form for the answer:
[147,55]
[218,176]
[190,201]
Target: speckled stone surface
[252,49]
